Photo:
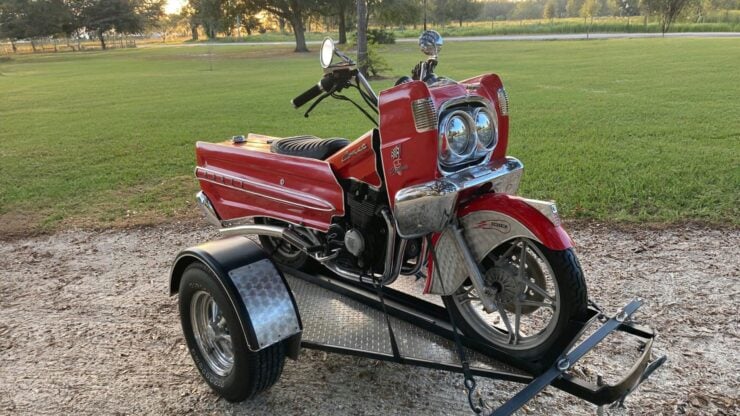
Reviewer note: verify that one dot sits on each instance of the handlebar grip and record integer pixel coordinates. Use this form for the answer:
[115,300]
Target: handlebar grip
[307,96]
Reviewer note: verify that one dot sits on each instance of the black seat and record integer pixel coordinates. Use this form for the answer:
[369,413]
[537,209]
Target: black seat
[308,146]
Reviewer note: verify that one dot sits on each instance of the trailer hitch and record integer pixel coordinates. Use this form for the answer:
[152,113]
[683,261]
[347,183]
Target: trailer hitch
[558,370]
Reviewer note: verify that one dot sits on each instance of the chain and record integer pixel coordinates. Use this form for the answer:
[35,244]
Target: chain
[474,398]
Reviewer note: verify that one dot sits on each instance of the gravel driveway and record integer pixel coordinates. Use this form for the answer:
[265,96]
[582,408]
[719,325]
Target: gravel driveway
[86,327]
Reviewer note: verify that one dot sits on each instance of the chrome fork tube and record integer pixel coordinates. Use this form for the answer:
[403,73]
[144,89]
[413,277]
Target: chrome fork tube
[476,277]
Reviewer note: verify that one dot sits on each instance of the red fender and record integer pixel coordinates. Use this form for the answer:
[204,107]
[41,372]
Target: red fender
[550,235]
[488,221]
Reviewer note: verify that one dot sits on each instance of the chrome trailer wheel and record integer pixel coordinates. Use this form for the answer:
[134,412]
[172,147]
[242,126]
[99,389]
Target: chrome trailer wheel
[537,291]
[211,333]
[217,341]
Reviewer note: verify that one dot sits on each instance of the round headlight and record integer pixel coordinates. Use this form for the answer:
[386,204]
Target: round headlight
[485,128]
[457,133]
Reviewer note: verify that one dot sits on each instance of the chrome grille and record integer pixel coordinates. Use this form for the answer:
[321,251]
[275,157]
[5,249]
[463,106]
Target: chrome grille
[425,117]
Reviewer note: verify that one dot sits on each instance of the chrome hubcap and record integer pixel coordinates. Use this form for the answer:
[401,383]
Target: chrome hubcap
[211,333]
[527,298]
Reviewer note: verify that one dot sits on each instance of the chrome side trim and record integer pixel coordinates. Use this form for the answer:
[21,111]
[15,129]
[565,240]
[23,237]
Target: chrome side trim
[208,211]
[428,207]
[322,204]
[255,229]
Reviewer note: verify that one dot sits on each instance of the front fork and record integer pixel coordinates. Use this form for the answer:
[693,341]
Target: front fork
[487,294]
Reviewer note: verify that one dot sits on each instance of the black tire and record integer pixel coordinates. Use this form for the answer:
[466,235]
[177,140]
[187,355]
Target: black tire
[252,372]
[278,248]
[573,307]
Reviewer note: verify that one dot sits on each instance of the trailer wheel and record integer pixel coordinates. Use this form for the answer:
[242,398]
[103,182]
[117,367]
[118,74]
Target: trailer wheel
[538,291]
[217,342]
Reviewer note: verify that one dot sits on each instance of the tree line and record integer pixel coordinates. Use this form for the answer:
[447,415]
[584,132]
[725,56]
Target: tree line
[28,19]
[24,19]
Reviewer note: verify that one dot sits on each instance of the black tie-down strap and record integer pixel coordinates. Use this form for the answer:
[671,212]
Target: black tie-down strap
[394,345]
[474,399]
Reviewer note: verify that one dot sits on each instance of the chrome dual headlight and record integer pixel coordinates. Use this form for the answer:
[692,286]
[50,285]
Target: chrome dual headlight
[464,135]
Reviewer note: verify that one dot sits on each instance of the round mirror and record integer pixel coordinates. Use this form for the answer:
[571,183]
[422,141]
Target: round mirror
[430,42]
[327,52]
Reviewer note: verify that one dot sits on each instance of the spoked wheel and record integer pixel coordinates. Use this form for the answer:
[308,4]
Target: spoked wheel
[538,291]
[217,342]
[280,250]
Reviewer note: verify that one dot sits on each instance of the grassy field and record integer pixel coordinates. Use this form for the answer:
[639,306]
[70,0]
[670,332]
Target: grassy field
[618,130]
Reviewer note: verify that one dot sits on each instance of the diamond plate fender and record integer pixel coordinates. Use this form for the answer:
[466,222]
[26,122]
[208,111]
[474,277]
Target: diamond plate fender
[256,289]
[487,222]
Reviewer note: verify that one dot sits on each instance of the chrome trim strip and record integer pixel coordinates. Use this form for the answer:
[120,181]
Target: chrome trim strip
[258,229]
[207,208]
[428,207]
[327,206]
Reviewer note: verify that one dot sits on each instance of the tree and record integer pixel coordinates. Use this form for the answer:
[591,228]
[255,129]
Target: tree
[461,10]
[170,23]
[341,9]
[362,17]
[397,12]
[294,11]
[668,10]
[573,8]
[589,9]
[123,16]
[549,11]
[20,19]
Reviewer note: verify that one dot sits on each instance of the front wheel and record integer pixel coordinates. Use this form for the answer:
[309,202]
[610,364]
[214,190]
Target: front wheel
[538,291]
[217,342]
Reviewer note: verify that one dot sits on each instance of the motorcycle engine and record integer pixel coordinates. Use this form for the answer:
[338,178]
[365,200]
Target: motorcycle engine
[365,238]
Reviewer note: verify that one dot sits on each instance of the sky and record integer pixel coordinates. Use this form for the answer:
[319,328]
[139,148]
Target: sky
[173,6]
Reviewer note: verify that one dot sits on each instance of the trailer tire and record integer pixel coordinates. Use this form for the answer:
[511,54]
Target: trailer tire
[238,374]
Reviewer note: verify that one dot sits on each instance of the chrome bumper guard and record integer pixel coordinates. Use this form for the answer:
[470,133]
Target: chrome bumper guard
[208,211]
[427,208]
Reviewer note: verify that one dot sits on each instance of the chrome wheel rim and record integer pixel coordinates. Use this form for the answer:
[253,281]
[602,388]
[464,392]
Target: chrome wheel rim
[527,302]
[211,333]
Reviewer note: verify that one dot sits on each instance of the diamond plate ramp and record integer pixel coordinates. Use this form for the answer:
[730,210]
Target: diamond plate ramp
[334,320]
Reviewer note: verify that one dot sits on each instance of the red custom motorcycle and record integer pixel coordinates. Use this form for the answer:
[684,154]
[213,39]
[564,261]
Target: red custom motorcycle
[428,193]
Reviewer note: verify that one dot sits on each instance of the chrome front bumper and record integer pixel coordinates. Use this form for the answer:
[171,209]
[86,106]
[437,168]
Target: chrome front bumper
[427,208]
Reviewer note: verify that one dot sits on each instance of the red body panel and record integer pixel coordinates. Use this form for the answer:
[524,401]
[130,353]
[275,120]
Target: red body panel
[410,157]
[357,161]
[554,238]
[246,180]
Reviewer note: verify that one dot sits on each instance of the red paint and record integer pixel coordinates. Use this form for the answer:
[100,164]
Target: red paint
[244,180]
[418,151]
[552,237]
[357,161]
[415,153]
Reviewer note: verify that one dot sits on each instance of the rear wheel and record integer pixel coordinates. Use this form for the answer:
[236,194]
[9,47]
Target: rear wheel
[217,342]
[281,251]
[538,291]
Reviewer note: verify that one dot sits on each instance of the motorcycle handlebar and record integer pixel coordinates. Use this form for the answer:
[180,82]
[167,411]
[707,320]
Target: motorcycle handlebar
[324,85]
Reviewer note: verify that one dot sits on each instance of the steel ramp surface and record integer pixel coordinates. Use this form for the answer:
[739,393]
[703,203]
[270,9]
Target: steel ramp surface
[335,322]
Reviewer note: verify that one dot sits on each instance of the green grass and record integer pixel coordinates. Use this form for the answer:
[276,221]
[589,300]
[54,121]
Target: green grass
[618,130]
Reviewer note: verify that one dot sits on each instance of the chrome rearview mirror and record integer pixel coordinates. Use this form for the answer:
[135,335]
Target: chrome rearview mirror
[430,43]
[327,52]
